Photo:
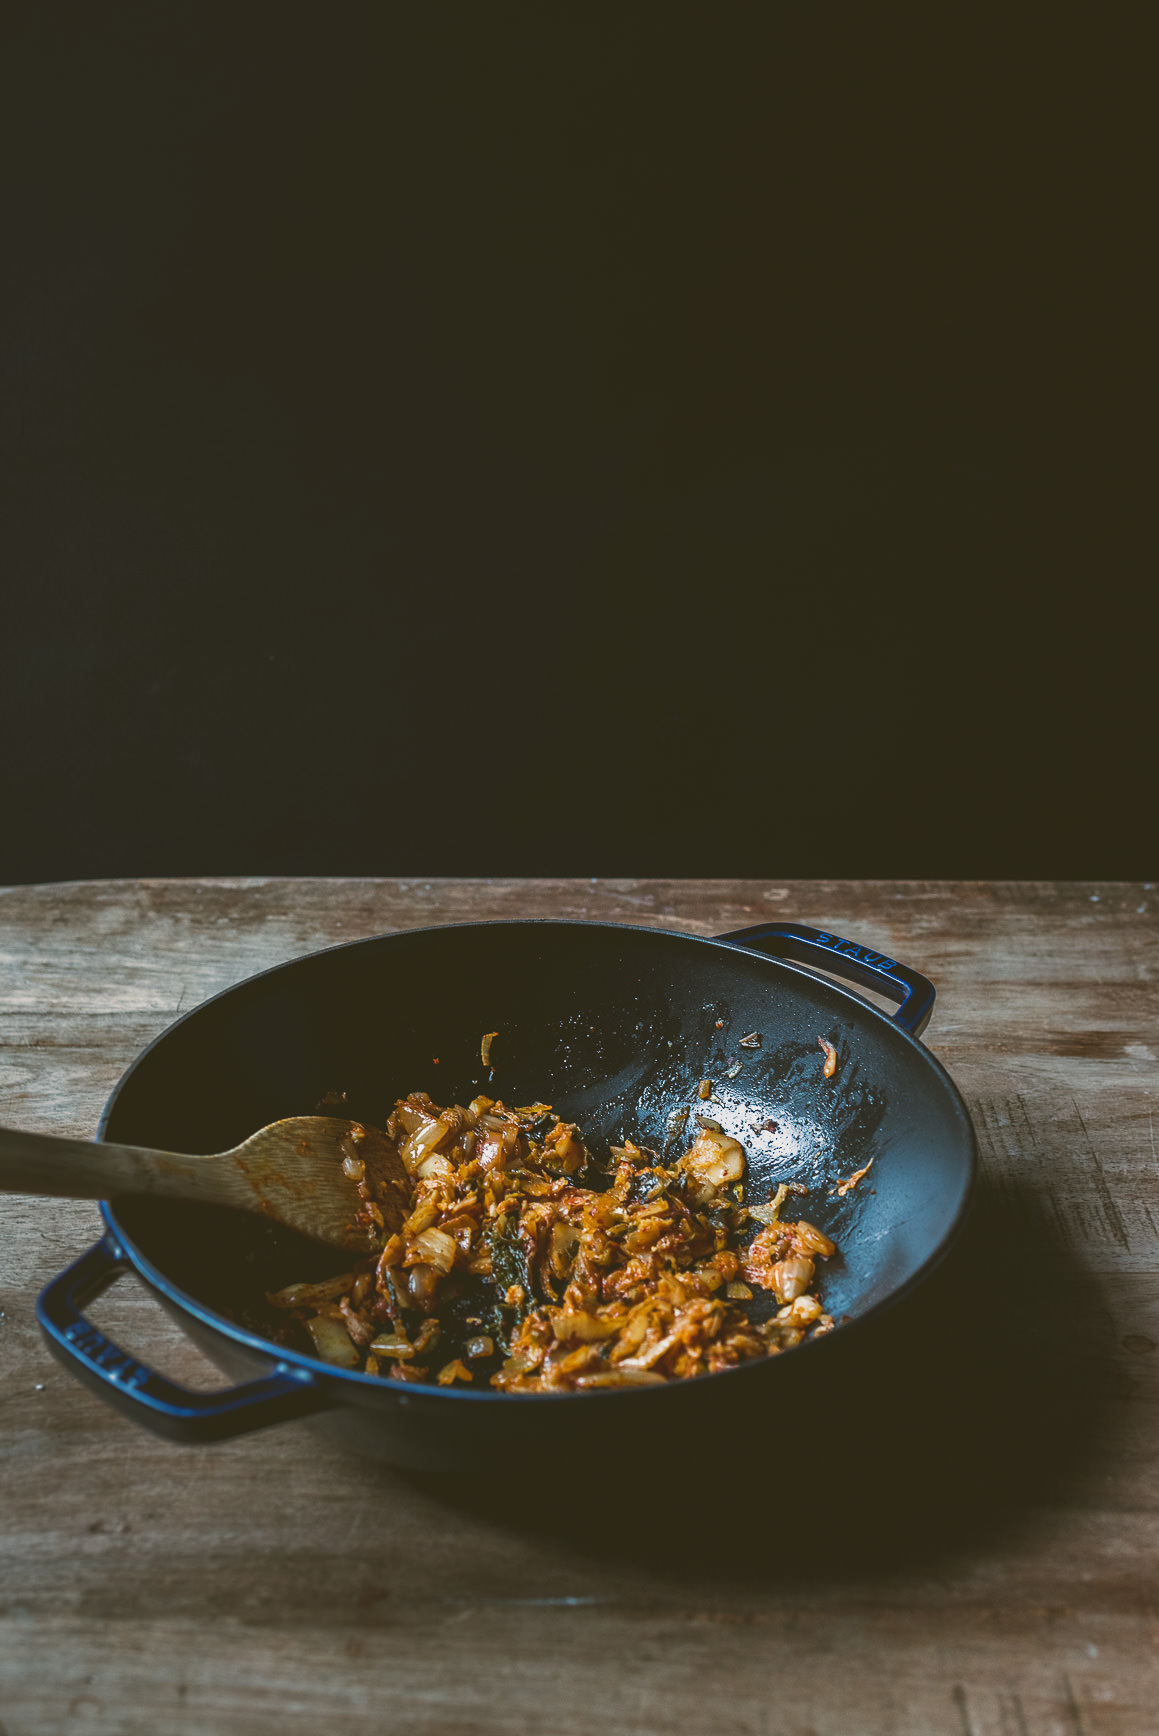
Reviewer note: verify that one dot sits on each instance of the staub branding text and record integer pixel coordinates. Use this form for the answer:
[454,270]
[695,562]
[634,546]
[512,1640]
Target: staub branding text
[850,948]
[95,1348]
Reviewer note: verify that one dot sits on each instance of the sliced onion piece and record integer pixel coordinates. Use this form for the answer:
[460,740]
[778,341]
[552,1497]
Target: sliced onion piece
[813,1240]
[614,1377]
[311,1295]
[332,1341]
[422,1142]
[434,1248]
[714,1159]
[436,1166]
[392,1344]
[588,1328]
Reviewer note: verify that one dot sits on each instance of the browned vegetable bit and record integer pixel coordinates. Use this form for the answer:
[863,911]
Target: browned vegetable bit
[851,1181]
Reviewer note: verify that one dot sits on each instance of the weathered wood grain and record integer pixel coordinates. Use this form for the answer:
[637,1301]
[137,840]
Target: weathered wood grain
[271,1584]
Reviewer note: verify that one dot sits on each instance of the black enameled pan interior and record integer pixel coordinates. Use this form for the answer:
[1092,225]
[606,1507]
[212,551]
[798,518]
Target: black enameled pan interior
[615,1027]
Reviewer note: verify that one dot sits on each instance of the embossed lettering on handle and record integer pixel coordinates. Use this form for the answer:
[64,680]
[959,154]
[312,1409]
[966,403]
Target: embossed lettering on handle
[851,949]
[104,1355]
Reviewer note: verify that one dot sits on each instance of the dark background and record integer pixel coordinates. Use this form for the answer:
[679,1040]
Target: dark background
[590,438]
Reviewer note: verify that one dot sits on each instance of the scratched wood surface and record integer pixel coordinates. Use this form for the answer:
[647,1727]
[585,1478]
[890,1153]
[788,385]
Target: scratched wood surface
[275,1585]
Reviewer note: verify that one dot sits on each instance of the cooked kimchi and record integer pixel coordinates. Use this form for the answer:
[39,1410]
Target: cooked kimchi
[511,1257]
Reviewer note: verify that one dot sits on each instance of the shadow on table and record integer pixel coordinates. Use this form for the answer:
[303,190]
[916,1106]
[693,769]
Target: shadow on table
[973,1401]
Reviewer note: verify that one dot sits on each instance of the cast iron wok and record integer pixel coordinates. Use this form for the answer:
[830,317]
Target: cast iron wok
[613,1025]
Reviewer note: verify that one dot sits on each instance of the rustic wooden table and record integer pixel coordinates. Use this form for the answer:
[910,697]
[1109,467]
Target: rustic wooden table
[274,1585]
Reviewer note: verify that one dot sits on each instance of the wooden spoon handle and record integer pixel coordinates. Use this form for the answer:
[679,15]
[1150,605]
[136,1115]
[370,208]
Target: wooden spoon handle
[42,1163]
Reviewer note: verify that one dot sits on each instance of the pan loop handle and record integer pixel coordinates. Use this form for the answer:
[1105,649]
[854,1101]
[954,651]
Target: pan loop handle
[140,1392]
[847,958]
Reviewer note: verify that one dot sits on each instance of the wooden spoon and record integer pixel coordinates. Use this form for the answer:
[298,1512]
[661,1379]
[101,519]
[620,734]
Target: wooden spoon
[304,1172]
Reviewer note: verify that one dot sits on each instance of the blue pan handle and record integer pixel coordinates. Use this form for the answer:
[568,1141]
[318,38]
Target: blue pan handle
[139,1392]
[847,958]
